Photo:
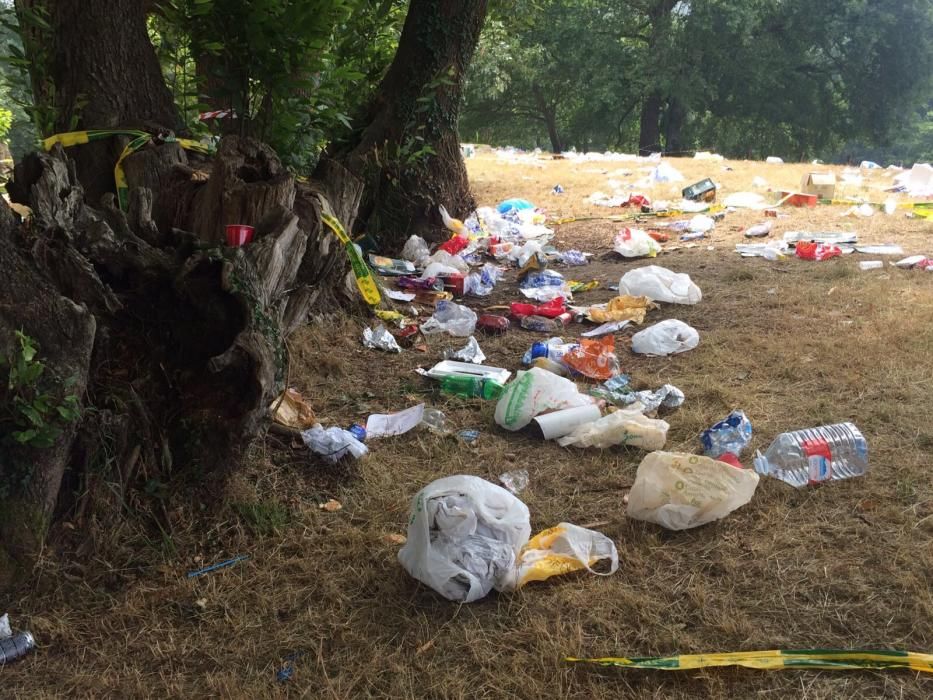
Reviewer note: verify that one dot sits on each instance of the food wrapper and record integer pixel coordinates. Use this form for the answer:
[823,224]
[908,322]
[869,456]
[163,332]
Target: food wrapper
[292,411]
[622,308]
[595,359]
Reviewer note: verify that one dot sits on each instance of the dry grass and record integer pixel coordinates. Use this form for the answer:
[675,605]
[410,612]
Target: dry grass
[793,343]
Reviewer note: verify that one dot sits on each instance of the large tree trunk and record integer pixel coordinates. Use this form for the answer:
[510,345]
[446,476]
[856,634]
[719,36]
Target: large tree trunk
[188,336]
[97,69]
[673,126]
[408,150]
[549,114]
[649,135]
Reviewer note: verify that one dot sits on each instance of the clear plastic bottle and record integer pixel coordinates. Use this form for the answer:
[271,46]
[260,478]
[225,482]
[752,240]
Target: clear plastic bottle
[815,455]
[435,421]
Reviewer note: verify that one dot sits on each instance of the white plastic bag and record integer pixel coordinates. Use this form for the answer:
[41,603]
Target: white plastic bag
[533,392]
[625,427]
[416,249]
[333,444]
[448,260]
[660,284]
[467,536]
[635,243]
[456,319]
[701,224]
[665,338]
[681,491]
[464,537]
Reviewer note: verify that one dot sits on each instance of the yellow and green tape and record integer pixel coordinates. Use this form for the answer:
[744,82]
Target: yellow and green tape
[138,140]
[776,659]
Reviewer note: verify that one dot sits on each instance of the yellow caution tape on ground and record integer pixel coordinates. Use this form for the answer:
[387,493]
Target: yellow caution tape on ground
[838,659]
[364,276]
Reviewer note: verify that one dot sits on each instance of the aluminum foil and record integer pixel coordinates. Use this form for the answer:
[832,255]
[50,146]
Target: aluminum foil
[380,338]
[471,352]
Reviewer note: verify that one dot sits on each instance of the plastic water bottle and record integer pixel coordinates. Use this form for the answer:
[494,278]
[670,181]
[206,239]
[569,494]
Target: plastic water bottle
[471,387]
[815,455]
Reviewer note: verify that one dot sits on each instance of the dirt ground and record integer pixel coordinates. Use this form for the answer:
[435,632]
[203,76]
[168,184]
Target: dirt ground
[793,343]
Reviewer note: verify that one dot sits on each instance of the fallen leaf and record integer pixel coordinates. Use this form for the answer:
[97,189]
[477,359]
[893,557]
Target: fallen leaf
[331,506]
[395,538]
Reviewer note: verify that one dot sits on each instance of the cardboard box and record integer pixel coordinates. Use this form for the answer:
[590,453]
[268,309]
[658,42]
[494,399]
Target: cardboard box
[823,185]
[799,199]
[702,191]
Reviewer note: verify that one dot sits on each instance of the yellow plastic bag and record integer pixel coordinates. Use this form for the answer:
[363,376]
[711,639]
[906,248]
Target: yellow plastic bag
[563,549]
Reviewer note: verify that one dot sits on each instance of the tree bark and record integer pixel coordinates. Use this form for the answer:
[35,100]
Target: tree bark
[549,114]
[97,69]
[188,336]
[673,126]
[649,136]
[408,151]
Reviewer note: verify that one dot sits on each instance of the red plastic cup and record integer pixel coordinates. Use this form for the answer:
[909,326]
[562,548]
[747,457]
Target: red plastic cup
[239,234]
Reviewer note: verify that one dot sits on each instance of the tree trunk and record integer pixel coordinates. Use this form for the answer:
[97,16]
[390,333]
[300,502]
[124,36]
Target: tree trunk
[673,126]
[188,336]
[97,69]
[408,151]
[649,137]
[549,114]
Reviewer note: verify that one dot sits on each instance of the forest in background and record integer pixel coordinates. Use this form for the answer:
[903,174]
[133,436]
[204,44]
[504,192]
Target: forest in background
[844,80]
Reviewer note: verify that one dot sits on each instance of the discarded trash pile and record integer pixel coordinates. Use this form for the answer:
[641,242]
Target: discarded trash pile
[467,536]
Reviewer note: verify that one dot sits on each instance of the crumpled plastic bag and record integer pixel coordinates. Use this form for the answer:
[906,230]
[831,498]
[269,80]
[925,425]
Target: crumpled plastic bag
[810,250]
[471,352]
[680,491]
[467,536]
[442,257]
[333,444]
[622,308]
[660,284]
[379,338]
[668,396]
[732,434]
[481,284]
[533,392]
[452,318]
[665,338]
[594,358]
[416,249]
[635,243]
[623,427]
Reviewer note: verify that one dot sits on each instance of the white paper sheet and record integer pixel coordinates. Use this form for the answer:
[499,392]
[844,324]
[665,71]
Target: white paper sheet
[386,424]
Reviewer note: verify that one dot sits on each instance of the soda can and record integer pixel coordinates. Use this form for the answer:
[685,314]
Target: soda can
[16,646]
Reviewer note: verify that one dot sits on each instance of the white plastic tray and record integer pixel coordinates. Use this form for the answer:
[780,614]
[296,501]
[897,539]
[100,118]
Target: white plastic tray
[450,367]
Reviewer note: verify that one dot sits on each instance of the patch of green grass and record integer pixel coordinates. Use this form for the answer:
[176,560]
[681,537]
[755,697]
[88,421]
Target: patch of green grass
[264,517]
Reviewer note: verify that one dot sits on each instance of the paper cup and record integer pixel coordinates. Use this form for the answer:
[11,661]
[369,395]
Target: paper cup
[560,423]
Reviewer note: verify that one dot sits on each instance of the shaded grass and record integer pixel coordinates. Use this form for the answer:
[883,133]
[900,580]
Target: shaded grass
[793,343]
